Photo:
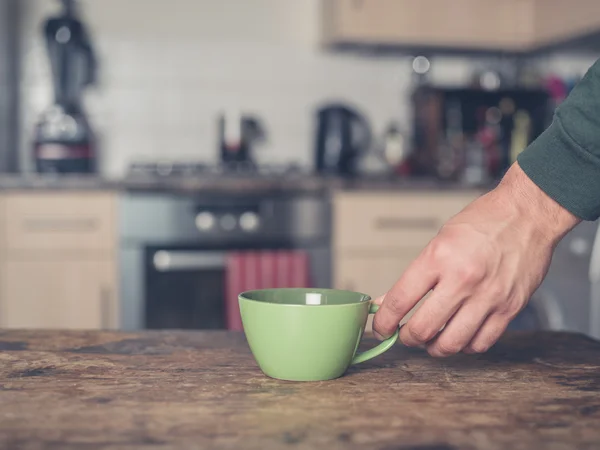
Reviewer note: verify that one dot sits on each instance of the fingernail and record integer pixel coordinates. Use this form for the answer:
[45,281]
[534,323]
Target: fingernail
[378,336]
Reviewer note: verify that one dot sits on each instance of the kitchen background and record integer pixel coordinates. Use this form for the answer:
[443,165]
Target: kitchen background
[188,156]
[168,69]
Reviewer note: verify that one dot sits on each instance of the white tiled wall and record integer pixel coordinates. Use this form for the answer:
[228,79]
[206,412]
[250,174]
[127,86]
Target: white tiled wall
[169,66]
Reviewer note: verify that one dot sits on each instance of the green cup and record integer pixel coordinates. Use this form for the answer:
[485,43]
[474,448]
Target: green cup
[307,334]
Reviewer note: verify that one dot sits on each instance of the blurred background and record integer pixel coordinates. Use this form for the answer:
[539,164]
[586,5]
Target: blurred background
[160,157]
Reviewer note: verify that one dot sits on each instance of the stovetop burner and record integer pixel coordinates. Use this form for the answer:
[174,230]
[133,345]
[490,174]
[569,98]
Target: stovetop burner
[194,169]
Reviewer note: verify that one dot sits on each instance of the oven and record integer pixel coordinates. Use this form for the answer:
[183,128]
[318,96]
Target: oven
[176,250]
[184,288]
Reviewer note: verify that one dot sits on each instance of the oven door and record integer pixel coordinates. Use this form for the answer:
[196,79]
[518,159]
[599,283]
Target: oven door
[184,289]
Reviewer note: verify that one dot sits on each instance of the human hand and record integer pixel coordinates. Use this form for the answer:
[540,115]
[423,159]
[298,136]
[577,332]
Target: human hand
[481,269]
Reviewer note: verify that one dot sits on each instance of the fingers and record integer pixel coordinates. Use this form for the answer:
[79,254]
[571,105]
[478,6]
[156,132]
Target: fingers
[414,283]
[460,329]
[431,316]
[488,334]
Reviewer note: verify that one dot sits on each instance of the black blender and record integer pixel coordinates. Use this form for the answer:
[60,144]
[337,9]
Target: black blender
[64,141]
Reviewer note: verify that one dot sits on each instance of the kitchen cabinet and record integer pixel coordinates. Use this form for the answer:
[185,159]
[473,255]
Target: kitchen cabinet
[58,260]
[52,292]
[509,25]
[384,221]
[67,221]
[476,24]
[560,20]
[376,235]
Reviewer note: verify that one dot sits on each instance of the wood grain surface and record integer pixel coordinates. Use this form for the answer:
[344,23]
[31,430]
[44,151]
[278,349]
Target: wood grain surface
[171,390]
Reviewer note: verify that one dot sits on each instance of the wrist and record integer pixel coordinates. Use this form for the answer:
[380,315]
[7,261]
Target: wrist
[543,215]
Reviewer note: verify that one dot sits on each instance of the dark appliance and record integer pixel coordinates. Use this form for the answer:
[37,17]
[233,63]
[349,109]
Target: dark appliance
[474,135]
[10,28]
[343,136]
[64,140]
[237,135]
[174,248]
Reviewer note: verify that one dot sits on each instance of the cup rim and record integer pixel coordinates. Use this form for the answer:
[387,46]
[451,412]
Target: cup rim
[368,298]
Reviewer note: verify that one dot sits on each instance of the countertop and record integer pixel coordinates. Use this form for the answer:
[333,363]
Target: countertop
[171,390]
[294,183]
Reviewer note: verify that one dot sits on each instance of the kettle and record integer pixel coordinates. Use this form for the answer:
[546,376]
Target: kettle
[343,135]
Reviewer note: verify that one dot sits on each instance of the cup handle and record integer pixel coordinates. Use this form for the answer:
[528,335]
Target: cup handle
[376,351]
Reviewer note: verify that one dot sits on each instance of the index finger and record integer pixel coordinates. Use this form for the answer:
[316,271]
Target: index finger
[416,281]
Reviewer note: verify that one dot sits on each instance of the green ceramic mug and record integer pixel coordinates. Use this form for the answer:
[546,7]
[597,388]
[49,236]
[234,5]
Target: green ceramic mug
[307,334]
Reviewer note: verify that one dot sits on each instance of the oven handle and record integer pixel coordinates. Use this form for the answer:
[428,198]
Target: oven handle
[172,261]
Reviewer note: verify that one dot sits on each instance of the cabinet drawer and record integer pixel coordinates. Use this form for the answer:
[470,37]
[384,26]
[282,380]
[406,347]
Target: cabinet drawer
[67,221]
[67,293]
[393,220]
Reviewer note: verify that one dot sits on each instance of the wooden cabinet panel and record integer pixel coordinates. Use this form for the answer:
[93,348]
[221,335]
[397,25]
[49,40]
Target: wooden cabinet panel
[441,23]
[557,20]
[517,25]
[372,274]
[54,293]
[58,260]
[59,221]
[377,220]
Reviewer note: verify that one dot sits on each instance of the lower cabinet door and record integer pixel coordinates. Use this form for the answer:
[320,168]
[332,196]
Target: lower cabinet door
[53,294]
[372,274]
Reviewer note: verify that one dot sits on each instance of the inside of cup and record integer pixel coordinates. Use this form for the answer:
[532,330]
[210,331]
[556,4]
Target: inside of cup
[305,296]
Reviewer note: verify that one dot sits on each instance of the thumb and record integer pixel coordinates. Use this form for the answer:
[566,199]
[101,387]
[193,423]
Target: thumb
[379,300]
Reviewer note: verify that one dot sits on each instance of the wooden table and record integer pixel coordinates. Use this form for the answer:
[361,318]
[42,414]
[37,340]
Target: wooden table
[166,390]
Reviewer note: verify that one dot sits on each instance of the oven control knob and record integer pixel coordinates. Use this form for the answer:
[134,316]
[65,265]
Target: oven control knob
[204,221]
[228,222]
[249,221]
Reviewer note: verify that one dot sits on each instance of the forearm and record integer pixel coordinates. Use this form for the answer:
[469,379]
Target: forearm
[535,212]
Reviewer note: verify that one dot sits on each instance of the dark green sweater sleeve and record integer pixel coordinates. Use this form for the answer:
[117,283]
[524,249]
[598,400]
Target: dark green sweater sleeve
[564,161]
